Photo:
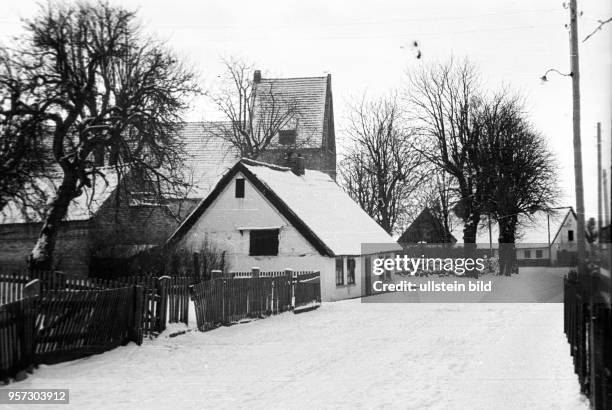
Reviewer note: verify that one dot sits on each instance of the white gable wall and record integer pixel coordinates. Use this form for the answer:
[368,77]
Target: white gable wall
[221,223]
[561,241]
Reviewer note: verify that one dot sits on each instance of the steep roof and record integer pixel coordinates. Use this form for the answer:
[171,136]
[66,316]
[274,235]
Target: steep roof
[313,203]
[426,223]
[308,94]
[208,155]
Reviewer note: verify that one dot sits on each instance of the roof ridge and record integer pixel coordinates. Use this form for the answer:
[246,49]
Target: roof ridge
[255,163]
[295,78]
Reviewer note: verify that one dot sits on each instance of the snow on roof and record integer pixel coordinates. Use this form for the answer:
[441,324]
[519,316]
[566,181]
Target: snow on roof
[324,207]
[81,208]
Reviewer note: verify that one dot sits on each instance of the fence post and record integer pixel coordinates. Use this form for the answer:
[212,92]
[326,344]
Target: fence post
[289,275]
[257,284]
[137,314]
[28,325]
[163,282]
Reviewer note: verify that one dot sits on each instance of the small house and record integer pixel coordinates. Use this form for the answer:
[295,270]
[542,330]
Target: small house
[274,217]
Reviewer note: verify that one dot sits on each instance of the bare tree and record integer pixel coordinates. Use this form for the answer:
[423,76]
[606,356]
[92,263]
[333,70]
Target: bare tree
[443,99]
[22,156]
[96,88]
[255,111]
[381,172]
[440,197]
[519,170]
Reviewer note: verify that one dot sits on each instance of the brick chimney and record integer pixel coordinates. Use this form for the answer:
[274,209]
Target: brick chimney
[299,165]
[257,77]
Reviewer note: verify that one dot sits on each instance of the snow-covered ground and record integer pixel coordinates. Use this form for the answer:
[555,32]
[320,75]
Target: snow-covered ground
[344,355]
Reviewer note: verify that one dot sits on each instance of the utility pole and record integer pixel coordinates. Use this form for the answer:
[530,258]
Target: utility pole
[606,205]
[575,67]
[599,182]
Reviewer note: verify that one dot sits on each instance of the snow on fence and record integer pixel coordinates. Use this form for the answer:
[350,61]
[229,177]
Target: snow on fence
[238,295]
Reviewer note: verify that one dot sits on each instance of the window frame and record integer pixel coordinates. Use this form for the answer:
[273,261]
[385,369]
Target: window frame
[261,250]
[340,273]
[350,271]
[527,253]
[239,188]
[539,254]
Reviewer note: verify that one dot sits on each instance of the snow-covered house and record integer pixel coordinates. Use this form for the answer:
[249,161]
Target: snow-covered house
[275,217]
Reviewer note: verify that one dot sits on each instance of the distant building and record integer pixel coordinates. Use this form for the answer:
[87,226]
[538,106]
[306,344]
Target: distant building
[273,217]
[426,228]
[533,239]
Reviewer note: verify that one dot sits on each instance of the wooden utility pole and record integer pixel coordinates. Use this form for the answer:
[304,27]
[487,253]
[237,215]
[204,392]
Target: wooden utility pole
[599,182]
[606,205]
[575,66]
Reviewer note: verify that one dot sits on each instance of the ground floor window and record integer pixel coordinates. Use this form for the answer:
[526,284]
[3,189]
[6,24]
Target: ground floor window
[539,253]
[527,254]
[350,271]
[339,271]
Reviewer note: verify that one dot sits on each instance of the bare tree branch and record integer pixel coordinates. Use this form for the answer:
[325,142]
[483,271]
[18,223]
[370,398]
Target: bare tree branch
[599,27]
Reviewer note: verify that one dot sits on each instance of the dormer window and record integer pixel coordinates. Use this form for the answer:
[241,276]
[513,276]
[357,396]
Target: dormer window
[287,137]
[240,188]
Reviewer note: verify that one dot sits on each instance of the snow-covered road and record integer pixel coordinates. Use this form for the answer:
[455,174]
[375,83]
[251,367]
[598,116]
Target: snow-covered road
[344,355]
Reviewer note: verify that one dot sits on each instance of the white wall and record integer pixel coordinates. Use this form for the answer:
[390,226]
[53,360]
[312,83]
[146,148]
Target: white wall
[561,241]
[224,217]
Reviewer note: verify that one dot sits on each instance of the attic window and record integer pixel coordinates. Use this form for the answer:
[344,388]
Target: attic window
[263,242]
[570,236]
[240,188]
[287,137]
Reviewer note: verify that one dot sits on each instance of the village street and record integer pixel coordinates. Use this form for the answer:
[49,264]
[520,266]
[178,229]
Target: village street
[345,354]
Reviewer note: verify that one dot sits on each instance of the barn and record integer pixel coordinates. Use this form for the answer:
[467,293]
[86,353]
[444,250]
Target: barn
[274,217]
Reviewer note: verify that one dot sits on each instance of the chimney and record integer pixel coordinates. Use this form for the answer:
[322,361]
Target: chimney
[299,166]
[257,77]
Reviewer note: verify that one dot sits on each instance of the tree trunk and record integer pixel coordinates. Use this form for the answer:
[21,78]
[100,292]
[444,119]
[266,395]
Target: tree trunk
[41,257]
[470,229]
[508,263]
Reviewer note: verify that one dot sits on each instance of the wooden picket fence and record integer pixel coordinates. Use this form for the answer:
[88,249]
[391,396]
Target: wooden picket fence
[17,337]
[58,325]
[240,295]
[11,288]
[166,299]
[588,327]
[72,324]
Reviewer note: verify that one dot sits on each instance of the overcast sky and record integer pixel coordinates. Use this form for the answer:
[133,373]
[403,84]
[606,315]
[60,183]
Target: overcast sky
[365,45]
